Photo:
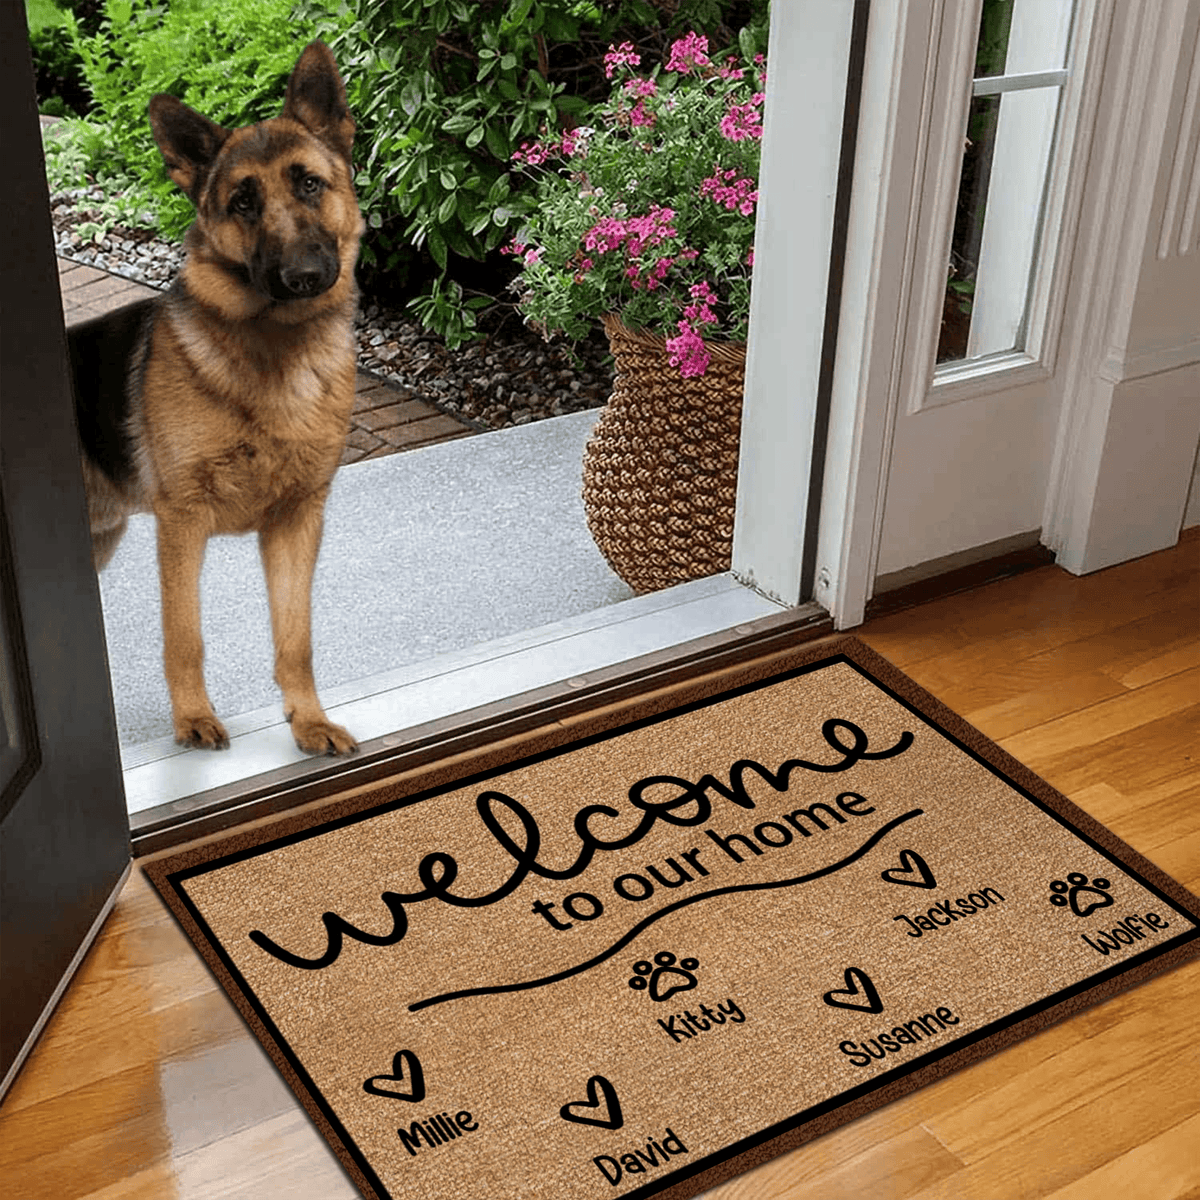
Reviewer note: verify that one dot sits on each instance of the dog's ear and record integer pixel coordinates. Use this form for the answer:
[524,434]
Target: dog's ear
[188,141]
[316,97]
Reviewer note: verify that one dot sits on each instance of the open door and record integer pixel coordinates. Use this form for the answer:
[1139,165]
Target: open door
[64,833]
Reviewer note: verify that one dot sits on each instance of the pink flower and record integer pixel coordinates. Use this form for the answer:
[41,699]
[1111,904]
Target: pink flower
[690,51]
[533,256]
[701,312]
[742,121]
[642,87]
[724,188]
[607,234]
[687,352]
[618,56]
[532,155]
[638,115]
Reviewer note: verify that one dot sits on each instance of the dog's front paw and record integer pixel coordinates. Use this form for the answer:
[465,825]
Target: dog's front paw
[203,731]
[319,735]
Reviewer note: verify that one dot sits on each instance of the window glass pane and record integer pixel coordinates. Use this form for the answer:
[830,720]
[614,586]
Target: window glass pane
[1006,159]
[1019,36]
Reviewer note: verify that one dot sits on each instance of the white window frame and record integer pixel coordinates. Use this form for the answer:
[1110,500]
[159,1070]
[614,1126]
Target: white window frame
[916,95]
[944,113]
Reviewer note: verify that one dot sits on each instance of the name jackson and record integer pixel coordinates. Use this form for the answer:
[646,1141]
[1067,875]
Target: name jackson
[947,912]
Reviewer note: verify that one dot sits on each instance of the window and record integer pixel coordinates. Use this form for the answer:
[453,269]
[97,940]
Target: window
[1015,114]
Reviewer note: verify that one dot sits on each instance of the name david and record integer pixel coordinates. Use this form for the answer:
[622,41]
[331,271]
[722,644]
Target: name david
[638,1162]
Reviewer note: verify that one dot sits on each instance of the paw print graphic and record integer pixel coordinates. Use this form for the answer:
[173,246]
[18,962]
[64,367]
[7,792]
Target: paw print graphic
[662,978]
[1082,897]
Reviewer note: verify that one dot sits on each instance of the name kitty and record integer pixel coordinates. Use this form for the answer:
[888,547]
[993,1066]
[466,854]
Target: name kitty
[686,1025]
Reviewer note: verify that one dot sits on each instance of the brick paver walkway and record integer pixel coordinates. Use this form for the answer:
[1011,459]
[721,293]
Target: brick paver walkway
[386,418]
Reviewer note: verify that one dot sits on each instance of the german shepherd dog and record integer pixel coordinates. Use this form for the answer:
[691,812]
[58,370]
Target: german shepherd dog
[222,406]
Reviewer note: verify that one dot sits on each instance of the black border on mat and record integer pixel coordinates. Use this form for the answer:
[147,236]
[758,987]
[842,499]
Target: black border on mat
[170,874]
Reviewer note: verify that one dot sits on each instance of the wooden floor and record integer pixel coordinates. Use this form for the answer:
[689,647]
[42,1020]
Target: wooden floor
[146,1083]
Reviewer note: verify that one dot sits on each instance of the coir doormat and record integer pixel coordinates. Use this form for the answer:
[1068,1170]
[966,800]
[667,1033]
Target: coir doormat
[654,954]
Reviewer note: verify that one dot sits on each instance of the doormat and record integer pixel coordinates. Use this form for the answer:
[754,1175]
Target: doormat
[638,957]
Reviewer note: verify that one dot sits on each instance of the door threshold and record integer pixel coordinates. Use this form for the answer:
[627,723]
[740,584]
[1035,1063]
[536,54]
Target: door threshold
[523,679]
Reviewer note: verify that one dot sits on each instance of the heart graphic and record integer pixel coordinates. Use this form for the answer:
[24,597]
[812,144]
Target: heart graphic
[599,1091]
[910,862]
[405,1064]
[858,983]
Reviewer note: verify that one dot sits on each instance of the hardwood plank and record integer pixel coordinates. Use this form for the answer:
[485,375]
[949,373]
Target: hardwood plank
[1083,1139]
[1057,741]
[894,1167]
[1147,1030]
[1164,1167]
[157,1183]
[284,1156]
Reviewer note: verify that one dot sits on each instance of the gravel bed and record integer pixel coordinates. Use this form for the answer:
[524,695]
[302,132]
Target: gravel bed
[510,377]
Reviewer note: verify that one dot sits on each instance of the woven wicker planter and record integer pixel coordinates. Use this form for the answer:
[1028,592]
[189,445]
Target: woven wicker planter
[660,470]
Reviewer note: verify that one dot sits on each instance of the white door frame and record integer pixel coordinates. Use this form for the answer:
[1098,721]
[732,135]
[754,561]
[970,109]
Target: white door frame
[795,267]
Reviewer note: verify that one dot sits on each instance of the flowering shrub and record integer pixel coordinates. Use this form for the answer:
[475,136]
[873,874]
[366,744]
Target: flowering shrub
[648,210]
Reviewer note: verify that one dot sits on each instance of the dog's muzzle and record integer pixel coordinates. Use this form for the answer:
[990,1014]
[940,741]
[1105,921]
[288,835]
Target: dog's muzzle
[302,273]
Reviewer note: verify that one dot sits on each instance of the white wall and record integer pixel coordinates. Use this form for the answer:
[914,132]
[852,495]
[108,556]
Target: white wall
[1132,410]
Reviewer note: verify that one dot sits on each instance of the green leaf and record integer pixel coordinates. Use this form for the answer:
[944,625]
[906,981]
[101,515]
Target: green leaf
[437,247]
[498,144]
[410,98]
[475,136]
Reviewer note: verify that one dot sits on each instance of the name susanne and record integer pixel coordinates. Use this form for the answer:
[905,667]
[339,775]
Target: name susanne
[908,1034]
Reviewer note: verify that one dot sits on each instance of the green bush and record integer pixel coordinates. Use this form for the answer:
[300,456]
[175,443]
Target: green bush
[58,69]
[226,58]
[445,91]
